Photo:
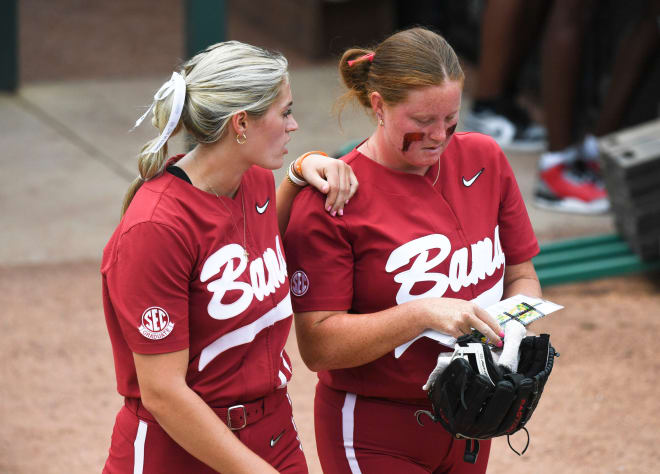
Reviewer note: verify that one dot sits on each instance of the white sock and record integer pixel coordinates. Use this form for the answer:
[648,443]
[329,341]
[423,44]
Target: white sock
[550,159]
[589,148]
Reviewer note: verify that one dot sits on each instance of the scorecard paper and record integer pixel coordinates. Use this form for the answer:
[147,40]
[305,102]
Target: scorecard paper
[525,309]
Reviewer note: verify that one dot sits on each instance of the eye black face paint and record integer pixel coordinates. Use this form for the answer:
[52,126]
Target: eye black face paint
[408,138]
[451,130]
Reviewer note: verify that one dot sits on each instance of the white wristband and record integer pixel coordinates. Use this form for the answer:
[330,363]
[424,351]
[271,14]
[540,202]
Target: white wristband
[295,179]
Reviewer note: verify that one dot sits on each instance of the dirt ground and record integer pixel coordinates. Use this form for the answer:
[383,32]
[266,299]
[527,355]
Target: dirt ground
[599,413]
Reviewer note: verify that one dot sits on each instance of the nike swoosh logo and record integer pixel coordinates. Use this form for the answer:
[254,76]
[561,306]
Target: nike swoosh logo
[468,182]
[274,440]
[262,209]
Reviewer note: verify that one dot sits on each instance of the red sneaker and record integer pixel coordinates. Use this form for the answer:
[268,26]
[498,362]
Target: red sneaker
[561,188]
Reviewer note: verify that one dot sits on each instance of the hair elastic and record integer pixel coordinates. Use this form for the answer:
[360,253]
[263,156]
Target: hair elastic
[176,85]
[369,57]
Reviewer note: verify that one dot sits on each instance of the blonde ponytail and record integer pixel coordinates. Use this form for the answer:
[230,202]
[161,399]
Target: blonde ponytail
[152,163]
[150,166]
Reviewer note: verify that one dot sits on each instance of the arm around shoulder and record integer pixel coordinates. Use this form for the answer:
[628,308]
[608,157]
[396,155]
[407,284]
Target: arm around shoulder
[330,176]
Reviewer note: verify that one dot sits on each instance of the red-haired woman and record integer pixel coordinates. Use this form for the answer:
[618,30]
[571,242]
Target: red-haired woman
[423,246]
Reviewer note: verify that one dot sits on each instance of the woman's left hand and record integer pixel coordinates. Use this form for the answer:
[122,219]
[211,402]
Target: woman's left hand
[332,177]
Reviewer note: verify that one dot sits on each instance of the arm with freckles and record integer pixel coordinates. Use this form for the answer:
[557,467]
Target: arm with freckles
[337,339]
[521,279]
[188,419]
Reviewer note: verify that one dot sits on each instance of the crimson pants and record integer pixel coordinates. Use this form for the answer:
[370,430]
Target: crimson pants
[356,434]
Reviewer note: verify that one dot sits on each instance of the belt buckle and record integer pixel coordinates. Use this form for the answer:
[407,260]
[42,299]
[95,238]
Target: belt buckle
[229,417]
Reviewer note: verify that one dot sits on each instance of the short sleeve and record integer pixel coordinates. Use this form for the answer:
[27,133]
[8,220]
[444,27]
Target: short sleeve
[148,287]
[516,234]
[319,256]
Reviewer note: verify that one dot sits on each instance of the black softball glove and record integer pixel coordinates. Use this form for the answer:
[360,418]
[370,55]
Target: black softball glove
[475,398]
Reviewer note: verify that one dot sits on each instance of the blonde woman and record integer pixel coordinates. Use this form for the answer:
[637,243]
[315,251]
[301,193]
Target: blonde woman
[195,290]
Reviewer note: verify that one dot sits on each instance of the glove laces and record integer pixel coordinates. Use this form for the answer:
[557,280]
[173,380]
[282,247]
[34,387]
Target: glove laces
[508,440]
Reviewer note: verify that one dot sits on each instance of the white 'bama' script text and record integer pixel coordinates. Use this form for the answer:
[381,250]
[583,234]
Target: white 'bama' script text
[487,257]
[267,273]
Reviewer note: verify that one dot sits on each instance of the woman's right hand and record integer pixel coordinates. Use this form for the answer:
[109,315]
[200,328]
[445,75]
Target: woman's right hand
[458,317]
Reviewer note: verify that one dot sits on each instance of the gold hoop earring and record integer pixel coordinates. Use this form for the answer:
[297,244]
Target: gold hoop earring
[239,137]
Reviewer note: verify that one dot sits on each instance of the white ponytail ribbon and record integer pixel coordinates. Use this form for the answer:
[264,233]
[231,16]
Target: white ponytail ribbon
[176,85]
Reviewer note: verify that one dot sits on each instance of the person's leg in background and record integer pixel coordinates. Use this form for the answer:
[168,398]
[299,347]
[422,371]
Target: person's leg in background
[560,186]
[639,43]
[509,33]
[561,68]
[637,46]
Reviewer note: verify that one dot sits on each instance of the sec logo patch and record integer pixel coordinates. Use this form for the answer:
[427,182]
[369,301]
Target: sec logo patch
[156,323]
[299,283]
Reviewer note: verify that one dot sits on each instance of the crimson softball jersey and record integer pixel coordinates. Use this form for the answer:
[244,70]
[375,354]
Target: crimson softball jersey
[175,276]
[403,237]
